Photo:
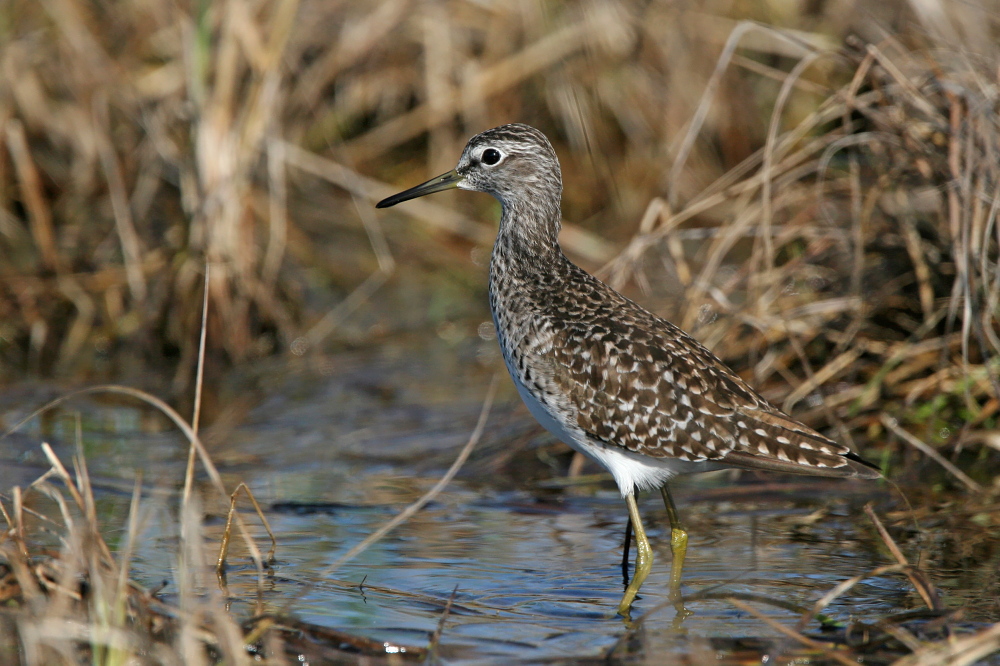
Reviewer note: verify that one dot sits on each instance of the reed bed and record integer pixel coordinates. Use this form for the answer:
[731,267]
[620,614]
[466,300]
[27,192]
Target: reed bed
[818,209]
[77,603]
[142,140]
[868,287]
[815,196]
[816,202]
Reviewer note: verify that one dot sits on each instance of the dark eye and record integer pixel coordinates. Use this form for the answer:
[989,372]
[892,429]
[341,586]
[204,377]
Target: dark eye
[491,156]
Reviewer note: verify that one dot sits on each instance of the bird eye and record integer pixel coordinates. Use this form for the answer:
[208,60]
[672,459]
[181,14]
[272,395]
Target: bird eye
[491,156]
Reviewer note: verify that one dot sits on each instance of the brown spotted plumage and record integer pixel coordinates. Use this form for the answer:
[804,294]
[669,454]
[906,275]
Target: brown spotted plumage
[603,374]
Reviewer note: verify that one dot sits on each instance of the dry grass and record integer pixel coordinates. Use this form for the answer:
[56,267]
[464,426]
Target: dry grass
[815,196]
[142,140]
[79,604]
[870,288]
[820,210]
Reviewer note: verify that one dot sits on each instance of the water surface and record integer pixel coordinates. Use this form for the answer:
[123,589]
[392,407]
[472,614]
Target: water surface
[336,446]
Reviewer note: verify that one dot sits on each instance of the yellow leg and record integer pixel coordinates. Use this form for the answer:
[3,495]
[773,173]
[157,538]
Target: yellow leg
[643,557]
[678,546]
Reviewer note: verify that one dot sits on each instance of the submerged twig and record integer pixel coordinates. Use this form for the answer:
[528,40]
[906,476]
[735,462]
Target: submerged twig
[957,651]
[839,589]
[436,636]
[919,579]
[836,654]
[220,563]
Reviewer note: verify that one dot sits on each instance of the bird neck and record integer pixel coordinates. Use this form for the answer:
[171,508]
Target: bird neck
[526,256]
[529,230]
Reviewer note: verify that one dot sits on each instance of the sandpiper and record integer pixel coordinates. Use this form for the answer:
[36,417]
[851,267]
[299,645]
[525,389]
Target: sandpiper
[614,381]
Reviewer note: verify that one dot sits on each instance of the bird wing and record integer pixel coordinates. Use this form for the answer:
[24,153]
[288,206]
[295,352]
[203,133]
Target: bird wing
[636,381]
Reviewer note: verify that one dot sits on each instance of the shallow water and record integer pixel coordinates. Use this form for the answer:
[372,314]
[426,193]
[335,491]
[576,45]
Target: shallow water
[337,446]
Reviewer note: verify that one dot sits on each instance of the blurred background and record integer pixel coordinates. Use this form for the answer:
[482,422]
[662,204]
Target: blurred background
[809,187]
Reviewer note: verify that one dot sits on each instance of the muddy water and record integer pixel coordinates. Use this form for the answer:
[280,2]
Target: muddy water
[334,447]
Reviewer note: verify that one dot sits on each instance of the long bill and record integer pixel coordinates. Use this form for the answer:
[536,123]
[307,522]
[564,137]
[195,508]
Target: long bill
[445,181]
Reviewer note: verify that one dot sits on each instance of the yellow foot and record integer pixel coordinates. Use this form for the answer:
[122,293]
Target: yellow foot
[643,565]
[625,607]
[678,545]
[643,559]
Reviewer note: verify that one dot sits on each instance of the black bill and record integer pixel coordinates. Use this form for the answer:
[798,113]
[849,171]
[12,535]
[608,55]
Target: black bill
[445,181]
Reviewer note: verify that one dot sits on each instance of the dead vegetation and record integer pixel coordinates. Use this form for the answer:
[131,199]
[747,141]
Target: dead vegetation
[819,209]
[839,245]
[78,604]
[870,286]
